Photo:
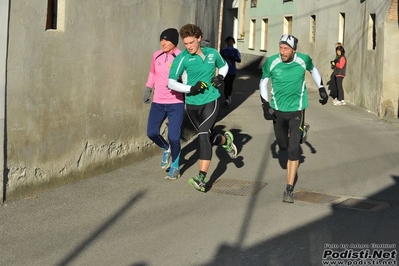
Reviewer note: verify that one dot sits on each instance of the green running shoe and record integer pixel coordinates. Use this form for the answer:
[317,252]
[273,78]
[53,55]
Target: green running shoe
[198,182]
[288,197]
[306,128]
[229,146]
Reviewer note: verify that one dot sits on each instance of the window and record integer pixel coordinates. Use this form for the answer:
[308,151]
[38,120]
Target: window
[51,23]
[264,34]
[341,32]
[252,30]
[254,3]
[242,20]
[372,33]
[288,25]
[312,30]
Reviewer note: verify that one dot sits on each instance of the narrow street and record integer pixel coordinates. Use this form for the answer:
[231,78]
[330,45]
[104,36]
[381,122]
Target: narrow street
[134,217]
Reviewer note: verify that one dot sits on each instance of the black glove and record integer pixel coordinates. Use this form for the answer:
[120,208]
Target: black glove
[199,87]
[323,96]
[217,81]
[147,95]
[268,112]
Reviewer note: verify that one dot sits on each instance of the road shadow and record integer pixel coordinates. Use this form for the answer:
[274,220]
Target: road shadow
[331,86]
[311,244]
[86,243]
[240,140]
[189,153]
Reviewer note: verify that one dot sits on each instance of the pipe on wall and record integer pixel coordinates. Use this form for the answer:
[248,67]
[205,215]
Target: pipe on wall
[4,25]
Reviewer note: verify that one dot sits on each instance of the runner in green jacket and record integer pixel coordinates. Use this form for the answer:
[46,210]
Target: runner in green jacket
[197,65]
[289,99]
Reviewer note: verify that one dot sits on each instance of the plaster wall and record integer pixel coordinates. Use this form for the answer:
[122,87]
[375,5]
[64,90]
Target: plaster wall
[390,96]
[370,81]
[74,94]
[363,83]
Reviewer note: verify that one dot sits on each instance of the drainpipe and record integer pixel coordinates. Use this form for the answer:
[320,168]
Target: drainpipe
[4,23]
[220,25]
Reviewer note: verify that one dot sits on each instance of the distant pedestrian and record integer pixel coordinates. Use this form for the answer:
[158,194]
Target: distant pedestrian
[289,99]
[231,55]
[199,64]
[336,57]
[165,104]
[338,76]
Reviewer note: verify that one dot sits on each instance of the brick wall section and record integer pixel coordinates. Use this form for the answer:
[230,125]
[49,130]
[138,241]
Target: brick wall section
[393,11]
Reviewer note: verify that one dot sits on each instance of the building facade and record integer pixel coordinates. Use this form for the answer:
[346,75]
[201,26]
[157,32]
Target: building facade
[367,29]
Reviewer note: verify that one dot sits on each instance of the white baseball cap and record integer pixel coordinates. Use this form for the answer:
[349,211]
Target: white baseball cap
[289,40]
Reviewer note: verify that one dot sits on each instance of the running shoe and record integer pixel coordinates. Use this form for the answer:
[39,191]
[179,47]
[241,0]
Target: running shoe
[173,174]
[229,146]
[166,160]
[288,196]
[198,182]
[336,102]
[343,102]
[306,128]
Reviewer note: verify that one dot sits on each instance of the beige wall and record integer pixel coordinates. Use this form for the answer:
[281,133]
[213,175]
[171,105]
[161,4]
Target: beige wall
[74,94]
[390,95]
[364,84]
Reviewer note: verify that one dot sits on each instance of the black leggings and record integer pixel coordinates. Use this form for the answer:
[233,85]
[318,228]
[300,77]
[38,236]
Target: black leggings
[228,85]
[339,94]
[289,123]
[203,118]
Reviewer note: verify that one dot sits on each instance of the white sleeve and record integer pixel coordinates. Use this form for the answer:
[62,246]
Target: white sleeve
[223,70]
[316,77]
[263,88]
[177,86]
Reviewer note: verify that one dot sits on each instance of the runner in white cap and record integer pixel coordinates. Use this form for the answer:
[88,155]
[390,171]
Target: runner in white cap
[289,99]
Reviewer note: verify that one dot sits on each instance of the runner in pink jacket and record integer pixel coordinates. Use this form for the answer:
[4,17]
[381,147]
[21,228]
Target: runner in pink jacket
[165,103]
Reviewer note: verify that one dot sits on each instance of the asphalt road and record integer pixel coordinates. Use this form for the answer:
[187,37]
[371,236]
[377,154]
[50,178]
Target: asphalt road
[133,216]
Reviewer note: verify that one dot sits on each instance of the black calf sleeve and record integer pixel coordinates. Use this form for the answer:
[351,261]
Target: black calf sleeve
[205,146]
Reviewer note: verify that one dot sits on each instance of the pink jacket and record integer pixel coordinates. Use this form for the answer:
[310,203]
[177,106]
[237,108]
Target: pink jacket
[158,78]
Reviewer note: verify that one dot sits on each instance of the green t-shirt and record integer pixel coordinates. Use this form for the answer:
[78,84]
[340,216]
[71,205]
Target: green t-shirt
[288,87]
[198,69]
